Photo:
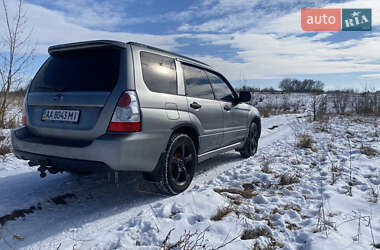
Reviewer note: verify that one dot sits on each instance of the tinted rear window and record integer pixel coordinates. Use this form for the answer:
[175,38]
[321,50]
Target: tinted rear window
[159,73]
[94,69]
[196,82]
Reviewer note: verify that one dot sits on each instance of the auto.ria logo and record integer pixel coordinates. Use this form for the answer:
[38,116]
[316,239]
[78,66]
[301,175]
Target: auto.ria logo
[356,19]
[336,19]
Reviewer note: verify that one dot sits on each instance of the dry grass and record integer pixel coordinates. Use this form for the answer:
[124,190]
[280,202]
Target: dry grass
[292,207]
[258,232]
[292,226]
[187,240]
[267,111]
[323,127]
[271,246]
[287,179]
[5,149]
[250,234]
[335,173]
[295,162]
[305,141]
[221,213]
[248,186]
[236,209]
[373,194]
[11,124]
[247,193]
[368,151]
[331,214]
[237,200]
[275,210]
[193,240]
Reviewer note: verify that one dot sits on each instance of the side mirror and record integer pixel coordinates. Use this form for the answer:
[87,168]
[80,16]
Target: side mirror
[244,96]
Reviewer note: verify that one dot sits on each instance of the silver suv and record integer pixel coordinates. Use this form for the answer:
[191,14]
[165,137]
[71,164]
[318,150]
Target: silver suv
[107,105]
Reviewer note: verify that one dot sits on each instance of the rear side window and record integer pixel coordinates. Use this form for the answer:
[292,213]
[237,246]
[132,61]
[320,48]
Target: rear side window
[94,69]
[221,90]
[196,82]
[159,73]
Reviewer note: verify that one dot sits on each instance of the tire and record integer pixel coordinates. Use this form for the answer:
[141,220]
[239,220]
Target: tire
[251,142]
[178,165]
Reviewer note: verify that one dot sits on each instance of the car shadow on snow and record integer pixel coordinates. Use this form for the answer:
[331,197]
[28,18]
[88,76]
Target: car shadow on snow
[93,198]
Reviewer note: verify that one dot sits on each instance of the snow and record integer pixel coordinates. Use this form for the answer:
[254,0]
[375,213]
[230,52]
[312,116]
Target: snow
[100,215]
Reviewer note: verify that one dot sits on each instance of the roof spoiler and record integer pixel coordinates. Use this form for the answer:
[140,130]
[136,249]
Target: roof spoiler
[84,45]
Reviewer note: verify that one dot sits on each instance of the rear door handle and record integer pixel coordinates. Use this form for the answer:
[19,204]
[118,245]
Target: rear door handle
[227,107]
[195,105]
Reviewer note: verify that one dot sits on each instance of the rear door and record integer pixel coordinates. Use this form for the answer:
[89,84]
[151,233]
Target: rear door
[68,95]
[204,108]
[235,116]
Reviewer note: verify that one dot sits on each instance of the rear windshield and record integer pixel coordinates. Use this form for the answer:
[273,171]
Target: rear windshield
[94,69]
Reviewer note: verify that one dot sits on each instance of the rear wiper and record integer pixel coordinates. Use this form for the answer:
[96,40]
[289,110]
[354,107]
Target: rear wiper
[52,88]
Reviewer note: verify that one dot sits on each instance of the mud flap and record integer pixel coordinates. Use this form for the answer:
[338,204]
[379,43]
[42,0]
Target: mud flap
[154,176]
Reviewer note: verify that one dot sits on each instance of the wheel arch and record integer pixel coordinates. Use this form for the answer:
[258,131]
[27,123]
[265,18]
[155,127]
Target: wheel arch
[257,121]
[254,116]
[190,130]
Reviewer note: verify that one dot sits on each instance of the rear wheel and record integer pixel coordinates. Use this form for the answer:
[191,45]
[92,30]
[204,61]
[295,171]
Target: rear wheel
[251,142]
[178,165]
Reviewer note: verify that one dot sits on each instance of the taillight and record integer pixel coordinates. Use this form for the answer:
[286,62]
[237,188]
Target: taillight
[126,117]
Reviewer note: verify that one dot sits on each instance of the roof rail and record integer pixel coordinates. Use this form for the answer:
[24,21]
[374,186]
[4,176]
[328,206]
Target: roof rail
[174,54]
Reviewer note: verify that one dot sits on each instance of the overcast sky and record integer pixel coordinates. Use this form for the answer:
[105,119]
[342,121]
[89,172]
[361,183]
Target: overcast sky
[253,42]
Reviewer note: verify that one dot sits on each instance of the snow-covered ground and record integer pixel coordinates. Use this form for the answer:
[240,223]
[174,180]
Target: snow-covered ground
[323,196]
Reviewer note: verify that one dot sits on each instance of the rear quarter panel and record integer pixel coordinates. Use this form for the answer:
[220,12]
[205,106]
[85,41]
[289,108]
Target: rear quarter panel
[160,112]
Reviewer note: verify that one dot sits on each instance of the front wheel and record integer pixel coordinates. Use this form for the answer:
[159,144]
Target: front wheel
[251,142]
[178,165]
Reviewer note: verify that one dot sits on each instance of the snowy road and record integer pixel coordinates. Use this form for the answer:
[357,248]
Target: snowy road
[97,204]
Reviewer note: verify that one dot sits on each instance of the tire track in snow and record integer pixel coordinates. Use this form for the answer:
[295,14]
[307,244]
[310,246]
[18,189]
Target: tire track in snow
[108,205]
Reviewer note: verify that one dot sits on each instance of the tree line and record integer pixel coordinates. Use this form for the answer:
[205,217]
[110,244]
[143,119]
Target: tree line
[290,85]
[305,86]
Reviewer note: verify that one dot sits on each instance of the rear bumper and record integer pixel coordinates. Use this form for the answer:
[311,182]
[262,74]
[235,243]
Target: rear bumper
[63,163]
[127,152]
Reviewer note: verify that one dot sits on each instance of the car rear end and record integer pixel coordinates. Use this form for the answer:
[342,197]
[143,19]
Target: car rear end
[82,113]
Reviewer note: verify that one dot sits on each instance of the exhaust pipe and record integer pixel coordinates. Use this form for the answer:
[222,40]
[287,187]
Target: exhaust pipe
[42,170]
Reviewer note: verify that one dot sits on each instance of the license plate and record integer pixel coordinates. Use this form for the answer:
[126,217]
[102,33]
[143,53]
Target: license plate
[60,115]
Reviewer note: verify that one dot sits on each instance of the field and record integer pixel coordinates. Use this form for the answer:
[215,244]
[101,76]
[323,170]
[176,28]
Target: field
[314,184]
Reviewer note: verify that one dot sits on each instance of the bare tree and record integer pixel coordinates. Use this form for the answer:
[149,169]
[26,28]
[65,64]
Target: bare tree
[341,101]
[319,106]
[15,41]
